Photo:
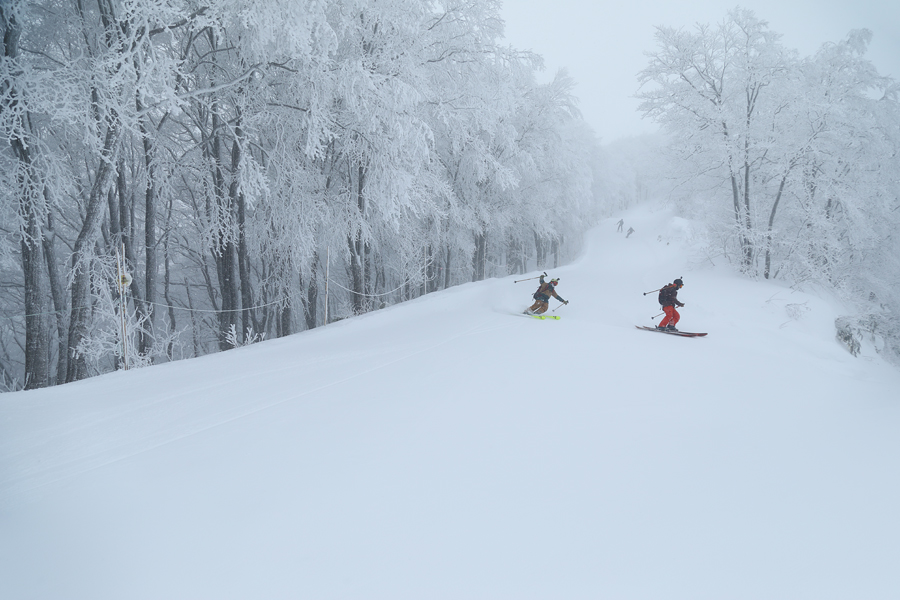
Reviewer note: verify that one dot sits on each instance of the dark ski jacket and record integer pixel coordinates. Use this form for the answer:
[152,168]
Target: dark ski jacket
[546,290]
[668,296]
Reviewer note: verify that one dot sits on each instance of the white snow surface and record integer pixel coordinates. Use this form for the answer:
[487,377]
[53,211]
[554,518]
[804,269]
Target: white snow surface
[450,448]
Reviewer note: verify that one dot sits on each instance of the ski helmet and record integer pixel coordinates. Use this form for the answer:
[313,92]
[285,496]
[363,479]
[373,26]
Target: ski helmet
[555,281]
[679,282]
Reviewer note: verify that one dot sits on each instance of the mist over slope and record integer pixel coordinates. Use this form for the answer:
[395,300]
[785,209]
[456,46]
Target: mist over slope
[449,447]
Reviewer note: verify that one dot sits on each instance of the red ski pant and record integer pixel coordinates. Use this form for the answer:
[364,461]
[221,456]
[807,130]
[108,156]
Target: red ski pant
[671,317]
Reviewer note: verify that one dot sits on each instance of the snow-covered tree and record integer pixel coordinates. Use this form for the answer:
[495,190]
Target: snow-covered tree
[793,161]
[238,150]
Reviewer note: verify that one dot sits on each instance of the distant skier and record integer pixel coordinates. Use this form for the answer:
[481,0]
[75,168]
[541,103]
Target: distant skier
[620,223]
[630,231]
[542,297]
[668,299]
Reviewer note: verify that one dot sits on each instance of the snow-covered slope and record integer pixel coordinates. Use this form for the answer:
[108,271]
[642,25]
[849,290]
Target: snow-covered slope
[447,448]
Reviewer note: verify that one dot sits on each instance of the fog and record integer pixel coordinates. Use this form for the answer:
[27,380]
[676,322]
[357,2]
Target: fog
[603,45]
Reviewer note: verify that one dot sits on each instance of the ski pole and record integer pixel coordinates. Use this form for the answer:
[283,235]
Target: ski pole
[651,291]
[558,307]
[530,278]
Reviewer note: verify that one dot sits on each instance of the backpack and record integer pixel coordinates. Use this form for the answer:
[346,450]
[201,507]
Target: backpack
[665,294]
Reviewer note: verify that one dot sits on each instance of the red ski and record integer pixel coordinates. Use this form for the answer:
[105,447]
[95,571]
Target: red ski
[681,333]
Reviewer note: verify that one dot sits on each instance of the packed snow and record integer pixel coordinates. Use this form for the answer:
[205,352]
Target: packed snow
[450,447]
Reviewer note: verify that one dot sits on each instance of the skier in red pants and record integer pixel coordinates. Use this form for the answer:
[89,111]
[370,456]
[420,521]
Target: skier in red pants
[668,298]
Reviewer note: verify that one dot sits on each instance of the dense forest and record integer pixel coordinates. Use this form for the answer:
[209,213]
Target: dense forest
[183,177]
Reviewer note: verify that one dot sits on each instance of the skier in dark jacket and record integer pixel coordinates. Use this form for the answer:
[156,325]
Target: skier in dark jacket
[542,297]
[668,299]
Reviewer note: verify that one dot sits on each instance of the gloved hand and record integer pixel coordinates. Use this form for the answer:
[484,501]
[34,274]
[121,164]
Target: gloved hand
[565,301]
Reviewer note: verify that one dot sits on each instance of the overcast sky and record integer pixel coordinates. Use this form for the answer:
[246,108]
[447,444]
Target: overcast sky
[602,43]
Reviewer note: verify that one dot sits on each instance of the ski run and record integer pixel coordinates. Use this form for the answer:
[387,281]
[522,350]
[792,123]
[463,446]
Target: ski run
[441,449]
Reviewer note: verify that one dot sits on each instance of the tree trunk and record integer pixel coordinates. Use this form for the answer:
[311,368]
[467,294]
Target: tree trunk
[124,234]
[37,333]
[740,222]
[312,293]
[250,317]
[58,294]
[238,202]
[167,281]
[31,197]
[195,327]
[81,255]
[748,225]
[223,248]
[771,222]
[431,281]
[479,257]
[357,249]
[151,265]
[540,251]
[447,263]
